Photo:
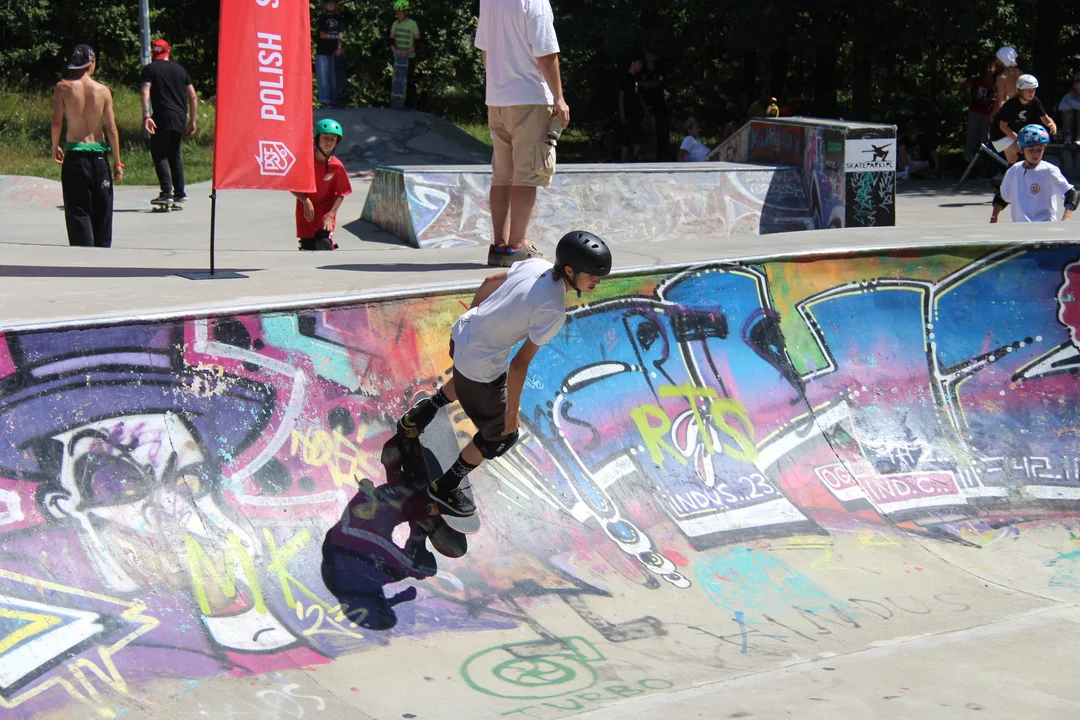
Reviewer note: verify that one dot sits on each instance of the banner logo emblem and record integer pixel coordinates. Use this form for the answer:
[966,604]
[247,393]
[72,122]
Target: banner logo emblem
[274,158]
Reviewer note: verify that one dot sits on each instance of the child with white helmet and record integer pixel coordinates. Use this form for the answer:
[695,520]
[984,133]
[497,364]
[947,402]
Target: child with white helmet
[1017,113]
[1034,187]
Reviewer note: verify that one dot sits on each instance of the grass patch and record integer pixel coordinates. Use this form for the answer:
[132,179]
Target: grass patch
[26,118]
[575,144]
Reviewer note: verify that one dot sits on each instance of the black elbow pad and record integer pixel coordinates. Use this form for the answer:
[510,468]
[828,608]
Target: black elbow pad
[1070,200]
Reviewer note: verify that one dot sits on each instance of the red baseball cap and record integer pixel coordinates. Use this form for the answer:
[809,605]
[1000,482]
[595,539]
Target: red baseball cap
[159,47]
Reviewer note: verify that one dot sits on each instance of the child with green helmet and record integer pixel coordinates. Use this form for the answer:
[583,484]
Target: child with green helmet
[316,213]
[404,36]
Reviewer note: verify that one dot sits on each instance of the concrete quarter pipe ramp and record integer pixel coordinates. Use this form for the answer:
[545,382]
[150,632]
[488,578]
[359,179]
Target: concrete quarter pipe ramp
[823,486]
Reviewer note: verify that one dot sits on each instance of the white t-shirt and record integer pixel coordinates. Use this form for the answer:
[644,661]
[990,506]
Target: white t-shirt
[1034,194]
[529,304]
[695,149]
[514,33]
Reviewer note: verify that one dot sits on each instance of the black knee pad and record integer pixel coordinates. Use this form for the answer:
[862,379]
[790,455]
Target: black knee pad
[492,449]
[320,241]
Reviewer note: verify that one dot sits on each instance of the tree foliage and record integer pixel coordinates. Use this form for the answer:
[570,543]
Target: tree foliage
[891,60]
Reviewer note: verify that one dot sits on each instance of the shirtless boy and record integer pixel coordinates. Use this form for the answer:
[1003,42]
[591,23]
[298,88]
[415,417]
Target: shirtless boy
[82,103]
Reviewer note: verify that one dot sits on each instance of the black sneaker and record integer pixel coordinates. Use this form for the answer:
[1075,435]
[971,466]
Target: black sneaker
[419,416]
[179,197]
[452,502]
[162,199]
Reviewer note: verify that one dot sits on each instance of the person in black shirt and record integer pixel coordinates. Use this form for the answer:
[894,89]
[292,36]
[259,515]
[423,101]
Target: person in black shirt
[653,93]
[167,96]
[631,111]
[329,26]
[1024,109]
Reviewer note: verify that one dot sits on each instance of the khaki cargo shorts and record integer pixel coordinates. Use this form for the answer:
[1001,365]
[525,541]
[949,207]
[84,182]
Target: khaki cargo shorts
[522,154]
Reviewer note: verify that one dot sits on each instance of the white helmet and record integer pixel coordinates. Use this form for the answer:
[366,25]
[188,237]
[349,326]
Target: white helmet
[1007,56]
[1027,82]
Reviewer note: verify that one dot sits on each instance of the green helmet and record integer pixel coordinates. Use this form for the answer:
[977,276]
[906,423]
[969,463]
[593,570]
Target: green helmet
[401,5]
[327,126]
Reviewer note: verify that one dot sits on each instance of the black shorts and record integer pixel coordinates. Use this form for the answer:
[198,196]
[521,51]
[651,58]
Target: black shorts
[483,402]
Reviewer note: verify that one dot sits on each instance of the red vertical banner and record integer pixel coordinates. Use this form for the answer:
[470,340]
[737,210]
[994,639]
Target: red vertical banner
[262,138]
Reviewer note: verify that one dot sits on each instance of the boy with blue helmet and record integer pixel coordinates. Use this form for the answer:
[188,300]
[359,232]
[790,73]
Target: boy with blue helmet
[1033,187]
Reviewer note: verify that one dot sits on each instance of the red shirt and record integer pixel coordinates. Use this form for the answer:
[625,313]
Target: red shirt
[331,182]
[982,95]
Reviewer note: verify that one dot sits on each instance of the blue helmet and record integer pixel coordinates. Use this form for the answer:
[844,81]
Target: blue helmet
[1032,135]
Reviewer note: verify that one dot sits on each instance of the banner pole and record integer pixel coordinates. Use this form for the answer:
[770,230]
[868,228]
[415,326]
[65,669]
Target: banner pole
[213,225]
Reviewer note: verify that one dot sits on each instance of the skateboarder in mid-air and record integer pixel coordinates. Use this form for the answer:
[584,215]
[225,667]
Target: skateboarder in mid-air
[316,213]
[527,302]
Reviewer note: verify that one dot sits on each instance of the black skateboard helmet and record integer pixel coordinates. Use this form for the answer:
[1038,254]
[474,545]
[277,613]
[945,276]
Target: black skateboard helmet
[584,253]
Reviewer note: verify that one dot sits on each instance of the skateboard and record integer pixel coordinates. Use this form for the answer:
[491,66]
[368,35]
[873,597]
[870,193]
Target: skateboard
[162,206]
[420,467]
[400,84]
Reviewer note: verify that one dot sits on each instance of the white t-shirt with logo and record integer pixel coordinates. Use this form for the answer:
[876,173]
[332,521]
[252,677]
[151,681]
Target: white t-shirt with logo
[696,151]
[529,304]
[1034,194]
[514,33]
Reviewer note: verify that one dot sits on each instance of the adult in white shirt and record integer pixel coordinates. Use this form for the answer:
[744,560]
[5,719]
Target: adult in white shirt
[525,101]
[528,303]
[692,149]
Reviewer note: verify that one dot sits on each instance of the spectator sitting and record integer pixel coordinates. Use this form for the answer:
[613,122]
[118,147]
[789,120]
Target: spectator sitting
[915,156]
[1069,107]
[765,107]
[692,149]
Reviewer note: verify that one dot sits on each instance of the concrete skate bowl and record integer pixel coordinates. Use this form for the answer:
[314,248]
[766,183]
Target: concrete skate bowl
[830,485]
[20,190]
[375,136]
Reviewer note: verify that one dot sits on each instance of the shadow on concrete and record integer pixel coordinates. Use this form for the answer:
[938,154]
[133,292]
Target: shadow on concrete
[970,204]
[45,271]
[361,557]
[408,267]
[369,232]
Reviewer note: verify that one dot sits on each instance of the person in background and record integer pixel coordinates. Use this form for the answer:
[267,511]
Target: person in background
[764,107]
[651,86]
[692,149]
[83,103]
[915,157]
[1069,107]
[1005,85]
[329,27]
[170,108]
[980,104]
[632,111]
[1018,112]
[404,35]
[526,114]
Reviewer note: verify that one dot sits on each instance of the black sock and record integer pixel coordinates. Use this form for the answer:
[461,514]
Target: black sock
[453,477]
[439,399]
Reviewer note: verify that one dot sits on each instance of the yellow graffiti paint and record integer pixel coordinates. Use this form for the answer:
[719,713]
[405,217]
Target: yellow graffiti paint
[654,436]
[236,556]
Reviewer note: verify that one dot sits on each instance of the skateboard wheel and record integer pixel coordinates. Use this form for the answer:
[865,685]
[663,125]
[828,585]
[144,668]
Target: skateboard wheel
[432,509]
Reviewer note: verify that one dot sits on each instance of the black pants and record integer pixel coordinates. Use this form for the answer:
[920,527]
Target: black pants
[663,137]
[86,179]
[165,150]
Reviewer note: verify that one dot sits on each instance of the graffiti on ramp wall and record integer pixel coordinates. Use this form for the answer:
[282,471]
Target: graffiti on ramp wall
[213,496]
